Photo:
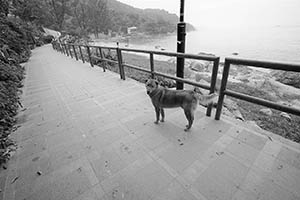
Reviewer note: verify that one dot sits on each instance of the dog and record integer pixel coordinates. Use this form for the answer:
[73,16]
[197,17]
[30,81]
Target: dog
[186,99]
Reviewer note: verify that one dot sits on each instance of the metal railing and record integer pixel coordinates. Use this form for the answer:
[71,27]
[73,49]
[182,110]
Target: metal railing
[65,48]
[71,50]
[253,63]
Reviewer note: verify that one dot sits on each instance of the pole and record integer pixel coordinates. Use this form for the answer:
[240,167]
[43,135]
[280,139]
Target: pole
[181,32]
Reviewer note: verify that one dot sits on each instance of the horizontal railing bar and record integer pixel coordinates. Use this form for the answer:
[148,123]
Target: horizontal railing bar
[104,47]
[94,46]
[137,68]
[265,64]
[165,53]
[183,80]
[262,102]
[104,59]
[180,55]
[169,76]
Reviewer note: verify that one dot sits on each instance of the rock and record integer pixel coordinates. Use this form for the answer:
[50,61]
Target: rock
[233,109]
[285,115]
[197,77]
[266,111]
[288,78]
[199,66]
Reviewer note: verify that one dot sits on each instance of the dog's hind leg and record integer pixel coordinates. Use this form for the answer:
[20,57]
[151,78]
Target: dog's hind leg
[190,117]
[162,115]
[157,111]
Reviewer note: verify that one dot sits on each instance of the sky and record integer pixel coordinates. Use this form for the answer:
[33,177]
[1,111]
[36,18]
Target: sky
[230,13]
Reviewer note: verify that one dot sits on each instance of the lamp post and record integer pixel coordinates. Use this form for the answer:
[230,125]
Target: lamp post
[181,32]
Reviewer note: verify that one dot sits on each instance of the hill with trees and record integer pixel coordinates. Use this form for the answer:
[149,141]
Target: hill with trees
[83,17]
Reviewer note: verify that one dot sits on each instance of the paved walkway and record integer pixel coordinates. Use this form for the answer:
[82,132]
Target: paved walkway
[86,134]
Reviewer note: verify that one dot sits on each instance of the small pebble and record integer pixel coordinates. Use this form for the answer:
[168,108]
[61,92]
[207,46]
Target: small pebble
[39,173]
[279,167]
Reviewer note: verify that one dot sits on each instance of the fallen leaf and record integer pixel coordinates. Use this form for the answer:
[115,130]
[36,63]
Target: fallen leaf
[270,138]
[14,180]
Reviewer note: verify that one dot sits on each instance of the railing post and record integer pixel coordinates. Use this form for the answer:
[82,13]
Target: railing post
[96,49]
[58,46]
[120,62]
[222,89]
[213,84]
[70,51]
[101,56]
[152,65]
[67,50]
[180,49]
[89,54]
[82,58]
[62,48]
[75,52]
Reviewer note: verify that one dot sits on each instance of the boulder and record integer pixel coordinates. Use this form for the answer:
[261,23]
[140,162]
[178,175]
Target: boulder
[286,116]
[233,108]
[288,78]
[199,66]
[266,111]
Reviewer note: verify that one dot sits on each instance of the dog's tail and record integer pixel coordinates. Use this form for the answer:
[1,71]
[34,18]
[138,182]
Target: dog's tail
[205,99]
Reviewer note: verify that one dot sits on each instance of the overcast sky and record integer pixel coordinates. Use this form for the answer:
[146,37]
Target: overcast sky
[230,13]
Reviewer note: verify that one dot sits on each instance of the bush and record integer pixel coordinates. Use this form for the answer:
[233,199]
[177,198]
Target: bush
[14,49]
[47,39]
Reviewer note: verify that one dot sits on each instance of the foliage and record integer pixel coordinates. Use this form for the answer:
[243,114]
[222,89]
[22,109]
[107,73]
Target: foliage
[4,7]
[93,16]
[15,39]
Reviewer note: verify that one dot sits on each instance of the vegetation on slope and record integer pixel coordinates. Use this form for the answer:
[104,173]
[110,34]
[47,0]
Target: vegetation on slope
[16,39]
[80,17]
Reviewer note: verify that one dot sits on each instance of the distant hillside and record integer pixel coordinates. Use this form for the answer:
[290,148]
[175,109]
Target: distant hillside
[82,17]
[153,21]
[149,14]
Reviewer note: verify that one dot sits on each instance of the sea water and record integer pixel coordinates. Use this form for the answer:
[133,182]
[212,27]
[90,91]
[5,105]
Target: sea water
[275,43]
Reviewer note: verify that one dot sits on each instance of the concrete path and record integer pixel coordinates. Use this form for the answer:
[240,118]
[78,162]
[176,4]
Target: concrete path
[86,134]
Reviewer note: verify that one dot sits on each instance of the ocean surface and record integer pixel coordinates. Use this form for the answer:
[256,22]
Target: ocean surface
[277,43]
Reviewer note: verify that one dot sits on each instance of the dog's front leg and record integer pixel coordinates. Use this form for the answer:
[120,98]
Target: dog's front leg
[162,115]
[157,111]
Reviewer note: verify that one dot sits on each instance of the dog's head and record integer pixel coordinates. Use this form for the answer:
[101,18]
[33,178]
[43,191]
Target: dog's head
[151,85]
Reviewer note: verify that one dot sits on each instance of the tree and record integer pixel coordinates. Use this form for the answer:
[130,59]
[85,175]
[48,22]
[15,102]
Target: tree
[27,10]
[58,10]
[4,6]
[80,14]
[98,16]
